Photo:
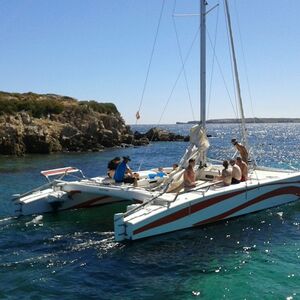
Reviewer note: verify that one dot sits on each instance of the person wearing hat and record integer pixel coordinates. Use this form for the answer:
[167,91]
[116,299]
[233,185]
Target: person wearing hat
[112,166]
[242,150]
[123,173]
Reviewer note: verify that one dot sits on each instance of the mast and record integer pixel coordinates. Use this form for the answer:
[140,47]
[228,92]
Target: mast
[203,63]
[236,76]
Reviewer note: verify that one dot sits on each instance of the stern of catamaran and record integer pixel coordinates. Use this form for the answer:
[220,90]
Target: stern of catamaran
[119,227]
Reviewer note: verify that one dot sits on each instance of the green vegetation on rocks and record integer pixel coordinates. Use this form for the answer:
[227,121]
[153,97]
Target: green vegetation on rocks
[106,108]
[45,123]
[39,106]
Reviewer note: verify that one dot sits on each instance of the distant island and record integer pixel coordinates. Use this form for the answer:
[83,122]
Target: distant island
[248,120]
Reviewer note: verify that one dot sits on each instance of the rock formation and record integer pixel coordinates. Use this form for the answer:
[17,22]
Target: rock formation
[156,134]
[33,123]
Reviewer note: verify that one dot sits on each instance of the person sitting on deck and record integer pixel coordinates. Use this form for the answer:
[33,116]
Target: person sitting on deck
[112,166]
[189,175]
[161,172]
[242,150]
[124,174]
[226,173]
[236,172]
[244,168]
[174,166]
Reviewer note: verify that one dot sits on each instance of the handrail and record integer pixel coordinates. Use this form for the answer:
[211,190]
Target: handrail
[50,183]
[261,168]
[127,213]
[197,188]
[145,203]
[45,185]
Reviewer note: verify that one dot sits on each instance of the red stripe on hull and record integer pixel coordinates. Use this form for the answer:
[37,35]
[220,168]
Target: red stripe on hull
[90,202]
[282,191]
[202,205]
[71,193]
[186,211]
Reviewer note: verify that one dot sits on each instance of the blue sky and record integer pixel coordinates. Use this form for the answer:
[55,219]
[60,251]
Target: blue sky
[100,49]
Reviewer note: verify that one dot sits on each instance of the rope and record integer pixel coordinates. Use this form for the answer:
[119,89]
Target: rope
[150,61]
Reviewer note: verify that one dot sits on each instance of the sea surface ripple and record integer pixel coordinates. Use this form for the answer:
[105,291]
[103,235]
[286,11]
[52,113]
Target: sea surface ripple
[73,255]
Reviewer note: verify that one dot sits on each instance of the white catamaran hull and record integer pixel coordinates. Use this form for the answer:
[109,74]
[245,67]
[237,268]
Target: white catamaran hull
[214,203]
[56,199]
[62,195]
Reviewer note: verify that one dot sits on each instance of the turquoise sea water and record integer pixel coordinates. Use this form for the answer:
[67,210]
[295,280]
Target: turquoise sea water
[72,255]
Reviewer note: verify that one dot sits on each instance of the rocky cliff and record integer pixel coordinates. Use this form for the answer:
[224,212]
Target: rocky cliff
[33,123]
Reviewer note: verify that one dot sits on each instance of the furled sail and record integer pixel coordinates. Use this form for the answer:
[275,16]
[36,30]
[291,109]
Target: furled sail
[197,148]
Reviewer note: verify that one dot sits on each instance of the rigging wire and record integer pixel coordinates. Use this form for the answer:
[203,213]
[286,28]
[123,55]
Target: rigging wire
[150,61]
[179,75]
[213,61]
[173,87]
[232,72]
[181,59]
[246,73]
[244,60]
[231,64]
[222,75]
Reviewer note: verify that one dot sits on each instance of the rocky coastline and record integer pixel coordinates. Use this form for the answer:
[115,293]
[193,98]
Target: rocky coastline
[48,123]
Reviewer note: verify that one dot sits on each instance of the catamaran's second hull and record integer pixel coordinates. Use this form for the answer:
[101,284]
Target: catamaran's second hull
[263,190]
[50,200]
[65,195]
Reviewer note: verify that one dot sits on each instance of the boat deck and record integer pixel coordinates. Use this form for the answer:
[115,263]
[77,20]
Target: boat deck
[205,189]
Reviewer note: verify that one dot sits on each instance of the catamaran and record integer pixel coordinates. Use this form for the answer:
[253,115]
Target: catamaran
[210,201]
[160,204]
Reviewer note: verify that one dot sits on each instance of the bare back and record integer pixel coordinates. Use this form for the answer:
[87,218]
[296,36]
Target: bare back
[236,172]
[226,176]
[243,152]
[244,169]
[189,177]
